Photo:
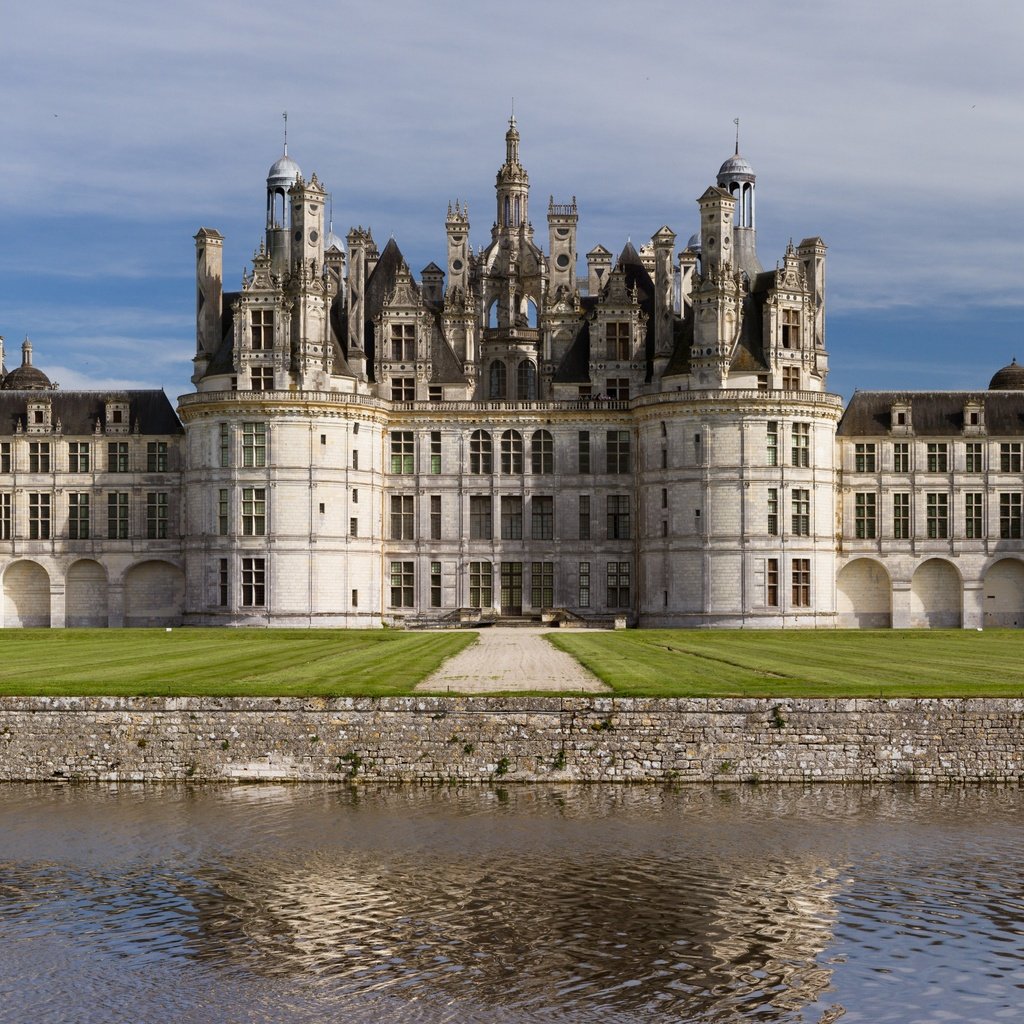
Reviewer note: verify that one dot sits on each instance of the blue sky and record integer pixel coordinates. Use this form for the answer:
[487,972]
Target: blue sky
[894,131]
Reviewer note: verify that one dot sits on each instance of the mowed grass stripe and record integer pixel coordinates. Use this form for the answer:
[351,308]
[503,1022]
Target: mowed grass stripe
[840,663]
[211,662]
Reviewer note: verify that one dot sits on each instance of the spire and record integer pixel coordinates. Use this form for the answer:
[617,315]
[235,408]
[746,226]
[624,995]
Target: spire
[26,352]
[285,116]
[512,143]
[736,121]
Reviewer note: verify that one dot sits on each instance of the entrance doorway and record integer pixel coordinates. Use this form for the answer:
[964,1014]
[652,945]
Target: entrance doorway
[511,588]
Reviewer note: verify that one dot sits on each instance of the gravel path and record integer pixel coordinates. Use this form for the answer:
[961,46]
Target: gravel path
[511,658]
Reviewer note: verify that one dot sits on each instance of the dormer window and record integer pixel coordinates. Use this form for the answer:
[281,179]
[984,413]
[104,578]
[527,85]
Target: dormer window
[117,417]
[791,328]
[37,418]
[974,418]
[900,420]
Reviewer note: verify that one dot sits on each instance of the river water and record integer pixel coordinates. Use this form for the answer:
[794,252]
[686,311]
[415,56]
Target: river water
[530,903]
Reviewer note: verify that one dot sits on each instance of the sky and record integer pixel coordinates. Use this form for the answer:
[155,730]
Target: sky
[895,131]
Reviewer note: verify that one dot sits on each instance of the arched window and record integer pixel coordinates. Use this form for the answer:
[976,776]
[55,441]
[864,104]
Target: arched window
[531,313]
[516,222]
[508,211]
[511,452]
[492,314]
[526,381]
[542,452]
[481,456]
[498,381]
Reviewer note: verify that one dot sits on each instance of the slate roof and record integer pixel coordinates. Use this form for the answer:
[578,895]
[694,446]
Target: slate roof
[79,410]
[932,413]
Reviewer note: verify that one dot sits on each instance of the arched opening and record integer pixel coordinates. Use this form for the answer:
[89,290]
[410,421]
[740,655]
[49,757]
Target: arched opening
[26,588]
[85,594]
[497,380]
[492,314]
[531,313]
[1004,595]
[154,594]
[863,595]
[936,596]
[526,381]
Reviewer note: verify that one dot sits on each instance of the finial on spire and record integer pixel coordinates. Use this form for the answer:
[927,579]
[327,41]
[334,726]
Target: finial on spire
[512,119]
[736,121]
[285,116]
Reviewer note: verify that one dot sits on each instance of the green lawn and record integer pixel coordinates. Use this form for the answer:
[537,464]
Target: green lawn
[766,663]
[220,662]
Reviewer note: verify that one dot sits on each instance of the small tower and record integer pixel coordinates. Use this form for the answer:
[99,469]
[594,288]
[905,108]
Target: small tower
[664,296]
[737,177]
[209,297]
[280,178]
[457,228]
[513,185]
[562,221]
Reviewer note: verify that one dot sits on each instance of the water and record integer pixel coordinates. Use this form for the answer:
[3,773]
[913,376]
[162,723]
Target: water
[547,903]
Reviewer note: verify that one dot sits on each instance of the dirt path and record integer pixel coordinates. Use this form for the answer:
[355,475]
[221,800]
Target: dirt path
[511,658]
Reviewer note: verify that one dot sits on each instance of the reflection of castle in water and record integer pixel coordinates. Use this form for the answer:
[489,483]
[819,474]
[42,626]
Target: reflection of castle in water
[601,903]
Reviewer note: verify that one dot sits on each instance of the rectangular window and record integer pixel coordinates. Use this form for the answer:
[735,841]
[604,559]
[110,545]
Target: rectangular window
[353,527]
[771,597]
[435,517]
[938,457]
[901,457]
[773,511]
[791,328]
[583,450]
[403,389]
[772,443]
[222,512]
[355,459]
[6,531]
[403,342]
[262,378]
[791,378]
[78,457]
[117,457]
[480,518]
[117,515]
[617,389]
[402,451]
[435,584]
[78,516]
[401,517]
[254,444]
[542,585]
[973,515]
[618,516]
[39,456]
[901,516]
[435,393]
[973,457]
[801,583]
[156,515]
[617,342]
[435,451]
[402,585]
[542,518]
[261,324]
[225,445]
[511,517]
[617,451]
[801,512]
[5,457]
[801,444]
[222,582]
[865,515]
[864,458]
[254,582]
[156,457]
[584,517]
[618,584]
[1009,516]
[584,584]
[38,516]
[481,585]
[254,511]
[481,458]
[937,512]
[1009,458]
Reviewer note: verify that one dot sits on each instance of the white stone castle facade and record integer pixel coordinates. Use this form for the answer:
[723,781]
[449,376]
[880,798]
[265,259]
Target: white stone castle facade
[652,442]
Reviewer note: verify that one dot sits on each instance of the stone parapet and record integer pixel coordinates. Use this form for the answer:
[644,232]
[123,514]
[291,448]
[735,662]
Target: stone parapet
[489,740]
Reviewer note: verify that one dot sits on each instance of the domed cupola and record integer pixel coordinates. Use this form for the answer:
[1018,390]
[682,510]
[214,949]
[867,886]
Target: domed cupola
[737,177]
[26,377]
[1009,378]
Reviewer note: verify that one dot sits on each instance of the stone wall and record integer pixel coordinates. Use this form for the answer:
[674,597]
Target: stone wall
[437,739]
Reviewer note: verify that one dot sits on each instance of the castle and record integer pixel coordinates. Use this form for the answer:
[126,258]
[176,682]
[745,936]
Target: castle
[502,438]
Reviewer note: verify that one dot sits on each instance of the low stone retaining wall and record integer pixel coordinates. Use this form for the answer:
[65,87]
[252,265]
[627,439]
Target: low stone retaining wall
[441,739]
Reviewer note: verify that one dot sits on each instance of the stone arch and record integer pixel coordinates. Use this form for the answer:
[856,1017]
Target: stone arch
[863,595]
[936,596]
[154,594]
[26,586]
[85,594]
[1004,595]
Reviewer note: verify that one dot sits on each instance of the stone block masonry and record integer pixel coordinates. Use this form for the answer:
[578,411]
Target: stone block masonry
[488,740]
